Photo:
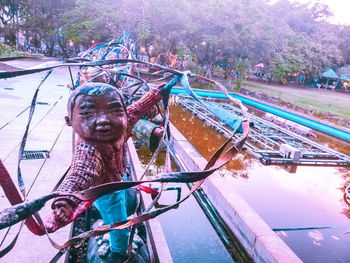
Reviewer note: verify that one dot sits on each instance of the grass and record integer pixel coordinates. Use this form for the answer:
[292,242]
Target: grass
[198,86]
[10,51]
[321,100]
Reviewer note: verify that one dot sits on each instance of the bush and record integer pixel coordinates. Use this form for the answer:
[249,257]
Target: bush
[219,71]
[240,65]
[7,51]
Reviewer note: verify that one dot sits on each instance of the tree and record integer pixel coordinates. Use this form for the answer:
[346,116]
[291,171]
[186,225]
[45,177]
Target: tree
[294,36]
[308,43]
[91,21]
[161,25]
[9,10]
[343,36]
[42,19]
[301,55]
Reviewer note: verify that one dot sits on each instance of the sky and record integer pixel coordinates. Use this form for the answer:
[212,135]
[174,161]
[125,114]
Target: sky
[340,9]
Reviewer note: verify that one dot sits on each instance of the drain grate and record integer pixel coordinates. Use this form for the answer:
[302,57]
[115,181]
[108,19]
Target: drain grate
[33,155]
[42,103]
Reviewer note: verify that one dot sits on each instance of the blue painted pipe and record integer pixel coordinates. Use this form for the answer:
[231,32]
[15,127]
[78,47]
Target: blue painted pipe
[284,114]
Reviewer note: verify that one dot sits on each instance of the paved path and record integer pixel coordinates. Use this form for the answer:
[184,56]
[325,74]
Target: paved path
[6,67]
[47,132]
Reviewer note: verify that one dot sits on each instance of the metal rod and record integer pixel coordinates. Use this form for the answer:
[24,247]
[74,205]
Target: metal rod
[225,234]
[265,139]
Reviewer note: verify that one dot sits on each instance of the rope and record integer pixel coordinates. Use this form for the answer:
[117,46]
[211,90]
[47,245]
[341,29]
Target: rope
[26,209]
[4,75]
[24,139]
[22,211]
[8,185]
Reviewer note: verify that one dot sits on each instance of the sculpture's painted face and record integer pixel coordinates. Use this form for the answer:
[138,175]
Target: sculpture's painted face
[99,118]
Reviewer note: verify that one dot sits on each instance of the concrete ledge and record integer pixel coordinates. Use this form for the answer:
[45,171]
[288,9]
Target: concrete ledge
[157,245]
[254,234]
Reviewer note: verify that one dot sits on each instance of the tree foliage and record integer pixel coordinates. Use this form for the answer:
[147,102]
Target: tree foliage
[42,20]
[8,10]
[89,21]
[288,37]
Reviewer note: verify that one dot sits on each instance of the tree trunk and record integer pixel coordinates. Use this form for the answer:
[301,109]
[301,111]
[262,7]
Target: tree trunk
[49,48]
[227,72]
[147,51]
[62,48]
[167,53]
[209,70]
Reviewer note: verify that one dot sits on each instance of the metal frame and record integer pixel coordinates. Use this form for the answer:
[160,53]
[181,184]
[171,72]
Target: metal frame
[265,138]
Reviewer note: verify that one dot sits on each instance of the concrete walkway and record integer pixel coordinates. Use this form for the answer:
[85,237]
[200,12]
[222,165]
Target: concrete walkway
[5,67]
[47,132]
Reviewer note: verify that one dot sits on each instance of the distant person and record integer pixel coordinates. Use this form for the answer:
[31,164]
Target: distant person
[339,84]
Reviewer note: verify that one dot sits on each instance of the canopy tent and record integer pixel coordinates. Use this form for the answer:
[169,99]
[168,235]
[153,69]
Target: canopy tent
[260,65]
[344,77]
[330,74]
[346,80]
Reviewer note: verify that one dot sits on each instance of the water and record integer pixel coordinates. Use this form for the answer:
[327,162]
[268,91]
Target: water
[189,234]
[311,197]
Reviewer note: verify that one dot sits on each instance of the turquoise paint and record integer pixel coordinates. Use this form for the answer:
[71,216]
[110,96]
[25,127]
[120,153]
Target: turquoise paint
[284,114]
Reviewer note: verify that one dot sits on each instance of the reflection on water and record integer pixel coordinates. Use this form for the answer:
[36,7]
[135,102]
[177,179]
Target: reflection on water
[207,140]
[310,197]
[188,233]
[333,143]
[157,167]
[322,138]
